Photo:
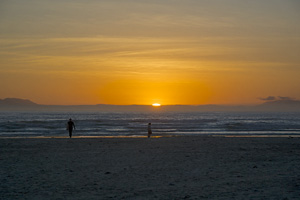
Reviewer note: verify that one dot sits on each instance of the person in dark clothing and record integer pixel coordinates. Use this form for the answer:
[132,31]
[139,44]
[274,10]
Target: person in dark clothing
[70,127]
[149,130]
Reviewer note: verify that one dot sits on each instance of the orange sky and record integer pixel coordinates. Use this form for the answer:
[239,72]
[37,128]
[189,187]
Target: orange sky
[144,52]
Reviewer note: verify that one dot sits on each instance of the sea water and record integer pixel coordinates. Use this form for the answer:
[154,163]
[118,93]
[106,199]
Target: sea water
[27,124]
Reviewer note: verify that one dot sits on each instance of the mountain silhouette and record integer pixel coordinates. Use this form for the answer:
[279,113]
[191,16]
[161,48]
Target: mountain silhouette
[288,102]
[282,105]
[16,102]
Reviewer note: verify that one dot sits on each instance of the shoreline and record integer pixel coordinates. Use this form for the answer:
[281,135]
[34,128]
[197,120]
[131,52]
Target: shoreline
[156,136]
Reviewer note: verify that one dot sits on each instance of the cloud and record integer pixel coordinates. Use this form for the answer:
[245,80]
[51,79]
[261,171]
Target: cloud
[269,98]
[279,98]
[284,98]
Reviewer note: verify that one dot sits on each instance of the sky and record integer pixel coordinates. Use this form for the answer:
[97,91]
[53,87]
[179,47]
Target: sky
[193,52]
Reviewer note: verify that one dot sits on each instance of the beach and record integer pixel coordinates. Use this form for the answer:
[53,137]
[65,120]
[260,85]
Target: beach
[183,167]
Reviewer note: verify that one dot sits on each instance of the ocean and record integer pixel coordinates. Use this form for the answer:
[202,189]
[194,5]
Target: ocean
[48,124]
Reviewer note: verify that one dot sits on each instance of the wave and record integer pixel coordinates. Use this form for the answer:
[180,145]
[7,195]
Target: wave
[118,124]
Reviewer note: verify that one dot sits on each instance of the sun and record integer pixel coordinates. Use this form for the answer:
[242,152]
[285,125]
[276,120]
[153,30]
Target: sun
[156,104]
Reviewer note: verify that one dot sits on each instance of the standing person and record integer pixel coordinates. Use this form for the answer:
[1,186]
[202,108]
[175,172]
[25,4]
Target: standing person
[149,130]
[70,127]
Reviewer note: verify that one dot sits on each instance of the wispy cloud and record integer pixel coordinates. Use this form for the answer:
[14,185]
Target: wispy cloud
[285,98]
[269,98]
[278,98]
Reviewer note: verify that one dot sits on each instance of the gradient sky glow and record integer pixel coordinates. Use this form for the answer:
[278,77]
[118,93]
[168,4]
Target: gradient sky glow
[149,51]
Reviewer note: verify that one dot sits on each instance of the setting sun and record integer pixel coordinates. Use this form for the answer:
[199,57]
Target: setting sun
[156,104]
[149,52]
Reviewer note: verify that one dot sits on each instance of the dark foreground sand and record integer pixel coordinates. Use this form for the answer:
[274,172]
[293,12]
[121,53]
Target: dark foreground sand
[156,168]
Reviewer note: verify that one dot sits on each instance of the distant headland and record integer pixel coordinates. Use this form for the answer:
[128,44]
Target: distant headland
[281,105]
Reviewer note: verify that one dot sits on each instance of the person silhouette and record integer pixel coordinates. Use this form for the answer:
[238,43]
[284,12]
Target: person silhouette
[70,127]
[149,130]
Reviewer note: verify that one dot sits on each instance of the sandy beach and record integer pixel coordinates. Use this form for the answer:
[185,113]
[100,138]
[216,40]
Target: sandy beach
[201,167]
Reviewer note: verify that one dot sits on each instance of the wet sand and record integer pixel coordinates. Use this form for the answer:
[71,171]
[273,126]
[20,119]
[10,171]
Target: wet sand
[201,167]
